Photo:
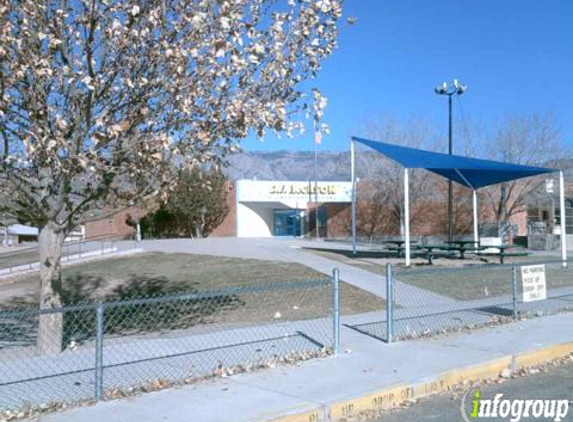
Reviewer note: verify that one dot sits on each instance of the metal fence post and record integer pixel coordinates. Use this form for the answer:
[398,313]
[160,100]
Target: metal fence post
[99,352]
[389,304]
[336,310]
[514,290]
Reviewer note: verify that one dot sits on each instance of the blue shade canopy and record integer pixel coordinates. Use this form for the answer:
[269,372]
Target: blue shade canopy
[471,172]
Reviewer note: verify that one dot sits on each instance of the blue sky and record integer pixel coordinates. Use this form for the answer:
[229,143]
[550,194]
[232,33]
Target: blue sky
[516,56]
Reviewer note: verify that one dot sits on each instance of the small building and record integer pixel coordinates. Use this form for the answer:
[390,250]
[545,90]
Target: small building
[115,226]
[15,234]
[284,208]
[544,221]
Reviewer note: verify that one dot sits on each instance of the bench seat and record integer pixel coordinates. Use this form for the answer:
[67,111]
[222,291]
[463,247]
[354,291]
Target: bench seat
[502,255]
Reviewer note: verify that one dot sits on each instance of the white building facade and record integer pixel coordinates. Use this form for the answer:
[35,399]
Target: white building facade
[279,208]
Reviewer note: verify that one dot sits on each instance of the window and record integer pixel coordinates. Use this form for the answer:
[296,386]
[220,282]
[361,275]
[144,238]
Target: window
[568,215]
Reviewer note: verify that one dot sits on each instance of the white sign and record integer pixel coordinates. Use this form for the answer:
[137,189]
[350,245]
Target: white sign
[533,279]
[302,192]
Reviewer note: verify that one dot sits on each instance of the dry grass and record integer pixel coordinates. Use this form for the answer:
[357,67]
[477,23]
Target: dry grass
[159,274]
[467,279]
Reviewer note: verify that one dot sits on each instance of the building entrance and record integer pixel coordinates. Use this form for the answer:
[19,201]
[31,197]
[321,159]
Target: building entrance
[286,223]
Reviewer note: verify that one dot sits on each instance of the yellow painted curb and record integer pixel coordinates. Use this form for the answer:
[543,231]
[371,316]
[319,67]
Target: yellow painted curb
[393,396]
[308,416]
[535,357]
[383,399]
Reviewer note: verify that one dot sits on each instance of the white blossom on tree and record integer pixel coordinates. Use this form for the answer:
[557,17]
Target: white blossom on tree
[100,100]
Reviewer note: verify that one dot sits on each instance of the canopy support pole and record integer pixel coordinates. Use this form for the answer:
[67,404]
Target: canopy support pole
[476,229]
[407,216]
[563,219]
[353,177]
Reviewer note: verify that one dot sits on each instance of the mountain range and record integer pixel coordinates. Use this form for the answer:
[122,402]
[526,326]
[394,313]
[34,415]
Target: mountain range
[332,166]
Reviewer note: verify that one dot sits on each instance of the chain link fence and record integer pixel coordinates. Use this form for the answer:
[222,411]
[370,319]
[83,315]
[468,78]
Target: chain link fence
[437,300]
[26,259]
[102,350]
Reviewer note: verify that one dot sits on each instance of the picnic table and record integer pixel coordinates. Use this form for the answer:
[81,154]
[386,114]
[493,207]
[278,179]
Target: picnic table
[445,249]
[422,251]
[463,242]
[399,243]
[397,247]
[503,251]
[459,246]
[433,251]
[430,252]
[463,246]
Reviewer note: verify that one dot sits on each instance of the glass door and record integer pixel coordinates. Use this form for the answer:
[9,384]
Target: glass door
[286,223]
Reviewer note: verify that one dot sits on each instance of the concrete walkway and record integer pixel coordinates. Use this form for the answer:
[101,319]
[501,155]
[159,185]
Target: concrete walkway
[290,250]
[370,375]
[133,360]
[405,294]
[276,249]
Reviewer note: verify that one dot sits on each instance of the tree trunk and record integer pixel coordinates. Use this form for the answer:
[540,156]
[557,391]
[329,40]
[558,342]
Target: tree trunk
[50,333]
[198,230]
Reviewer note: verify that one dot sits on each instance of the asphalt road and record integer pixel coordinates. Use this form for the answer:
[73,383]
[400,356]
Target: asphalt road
[556,383]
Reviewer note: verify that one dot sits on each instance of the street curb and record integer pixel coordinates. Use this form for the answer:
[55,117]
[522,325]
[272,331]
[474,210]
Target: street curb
[397,394]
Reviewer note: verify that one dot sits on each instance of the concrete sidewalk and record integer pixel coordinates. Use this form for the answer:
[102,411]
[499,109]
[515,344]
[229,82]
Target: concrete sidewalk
[405,294]
[372,375]
[291,250]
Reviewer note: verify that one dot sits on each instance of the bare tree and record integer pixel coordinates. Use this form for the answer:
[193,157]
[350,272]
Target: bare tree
[100,98]
[385,192]
[524,139]
[373,216]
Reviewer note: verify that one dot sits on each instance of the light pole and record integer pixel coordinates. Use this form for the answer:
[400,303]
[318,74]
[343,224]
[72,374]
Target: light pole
[450,89]
[317,140]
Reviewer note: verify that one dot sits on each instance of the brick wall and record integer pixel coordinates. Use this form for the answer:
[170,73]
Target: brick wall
[338,223]
[229,225]
[114,226]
